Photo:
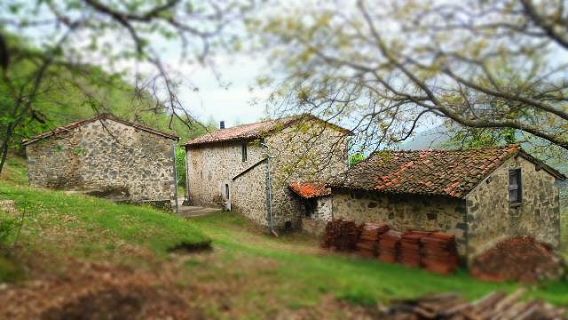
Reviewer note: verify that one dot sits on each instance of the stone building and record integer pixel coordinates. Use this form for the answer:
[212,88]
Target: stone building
[107,157]
[480,195]
[248,168]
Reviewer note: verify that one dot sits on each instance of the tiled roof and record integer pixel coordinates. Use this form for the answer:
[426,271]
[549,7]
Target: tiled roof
[256,130]
[310,190]
[103,116]
[452,173]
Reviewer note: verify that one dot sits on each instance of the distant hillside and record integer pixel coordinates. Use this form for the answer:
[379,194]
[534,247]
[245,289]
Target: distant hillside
[66,96]
[434,138]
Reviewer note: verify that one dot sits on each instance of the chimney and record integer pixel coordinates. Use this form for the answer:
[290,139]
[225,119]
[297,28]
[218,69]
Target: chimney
[222,125]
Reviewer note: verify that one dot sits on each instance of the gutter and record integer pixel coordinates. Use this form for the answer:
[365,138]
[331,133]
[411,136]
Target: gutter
[174,145]
[269,191]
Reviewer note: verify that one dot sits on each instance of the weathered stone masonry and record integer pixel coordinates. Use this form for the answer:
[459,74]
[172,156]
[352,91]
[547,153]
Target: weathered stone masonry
[491,218]
[310,149]
[106,157]
[472,199]
[403,212]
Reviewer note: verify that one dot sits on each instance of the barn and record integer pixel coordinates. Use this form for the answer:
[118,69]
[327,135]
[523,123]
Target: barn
[108,157]
[480,195]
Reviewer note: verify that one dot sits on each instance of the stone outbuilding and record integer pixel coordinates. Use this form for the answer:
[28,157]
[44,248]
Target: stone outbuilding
[480,195]
[107,157]
[248,168]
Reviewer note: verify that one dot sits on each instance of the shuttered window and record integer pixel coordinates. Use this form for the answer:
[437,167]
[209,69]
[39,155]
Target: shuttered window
[515,187]
[244,152]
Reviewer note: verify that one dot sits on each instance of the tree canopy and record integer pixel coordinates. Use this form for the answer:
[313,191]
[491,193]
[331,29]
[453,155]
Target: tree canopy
[389,67]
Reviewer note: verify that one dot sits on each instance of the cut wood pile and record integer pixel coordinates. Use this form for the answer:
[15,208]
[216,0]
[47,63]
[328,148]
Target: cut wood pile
[518,259]
[341,235]
[499,306]
[435,251]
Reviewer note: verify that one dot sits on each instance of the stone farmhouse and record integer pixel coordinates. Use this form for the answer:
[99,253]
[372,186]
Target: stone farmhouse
[480,195]
[248,168]
[107,157]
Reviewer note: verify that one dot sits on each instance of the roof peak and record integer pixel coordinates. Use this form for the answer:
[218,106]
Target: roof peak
[98,117]
[256,130]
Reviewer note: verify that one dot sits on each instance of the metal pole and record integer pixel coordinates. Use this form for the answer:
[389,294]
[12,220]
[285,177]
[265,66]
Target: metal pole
[174,145]
[269,190]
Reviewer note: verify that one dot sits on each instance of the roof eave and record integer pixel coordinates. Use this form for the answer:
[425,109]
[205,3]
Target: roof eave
[423,194]
[203,143]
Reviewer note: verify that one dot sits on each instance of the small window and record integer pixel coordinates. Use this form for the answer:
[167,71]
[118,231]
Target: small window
[227,191]
[244,152]
[515,187]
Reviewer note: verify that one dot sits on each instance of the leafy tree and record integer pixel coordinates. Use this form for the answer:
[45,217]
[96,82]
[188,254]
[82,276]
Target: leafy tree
[126,38]
[388,67]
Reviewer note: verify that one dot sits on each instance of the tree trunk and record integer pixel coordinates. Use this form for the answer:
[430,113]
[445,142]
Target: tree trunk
[5,145]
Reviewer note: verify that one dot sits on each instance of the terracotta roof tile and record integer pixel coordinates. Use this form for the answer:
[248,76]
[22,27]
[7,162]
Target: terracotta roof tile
[310,190]
[452,173]
[256,130]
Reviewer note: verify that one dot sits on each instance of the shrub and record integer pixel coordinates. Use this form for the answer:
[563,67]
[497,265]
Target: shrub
[6,229]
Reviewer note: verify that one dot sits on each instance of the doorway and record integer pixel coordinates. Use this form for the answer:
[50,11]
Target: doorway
[227,196]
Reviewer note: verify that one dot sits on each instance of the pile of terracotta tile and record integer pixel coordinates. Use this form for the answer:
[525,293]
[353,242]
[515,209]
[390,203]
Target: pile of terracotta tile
[439,253]
[341,235]
[518,259]
[411,248]
[367,246]
[493,306]
[389,246]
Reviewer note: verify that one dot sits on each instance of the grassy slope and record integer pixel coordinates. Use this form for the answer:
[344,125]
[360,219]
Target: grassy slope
[304,273]
[83,227]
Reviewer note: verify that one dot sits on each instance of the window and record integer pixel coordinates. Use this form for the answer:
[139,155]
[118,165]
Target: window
[515,187]
[227,193]
[244,152]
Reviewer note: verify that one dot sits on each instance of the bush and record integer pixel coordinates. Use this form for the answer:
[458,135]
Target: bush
[6,229]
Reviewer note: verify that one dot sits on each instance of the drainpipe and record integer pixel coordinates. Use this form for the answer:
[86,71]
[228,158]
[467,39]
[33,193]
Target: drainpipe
[269,191]
[174,145]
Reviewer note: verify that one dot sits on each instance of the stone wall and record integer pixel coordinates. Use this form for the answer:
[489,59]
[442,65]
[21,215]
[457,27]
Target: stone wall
[402,212]
[212,166]
[318,214]
[491,218]
[112,160]
[309,151]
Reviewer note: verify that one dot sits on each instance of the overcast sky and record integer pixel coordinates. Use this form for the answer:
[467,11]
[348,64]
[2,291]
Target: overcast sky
[232,98]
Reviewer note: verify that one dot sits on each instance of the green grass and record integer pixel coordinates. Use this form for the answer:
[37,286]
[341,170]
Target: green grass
[85,227]
[15,171]
[304,274]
